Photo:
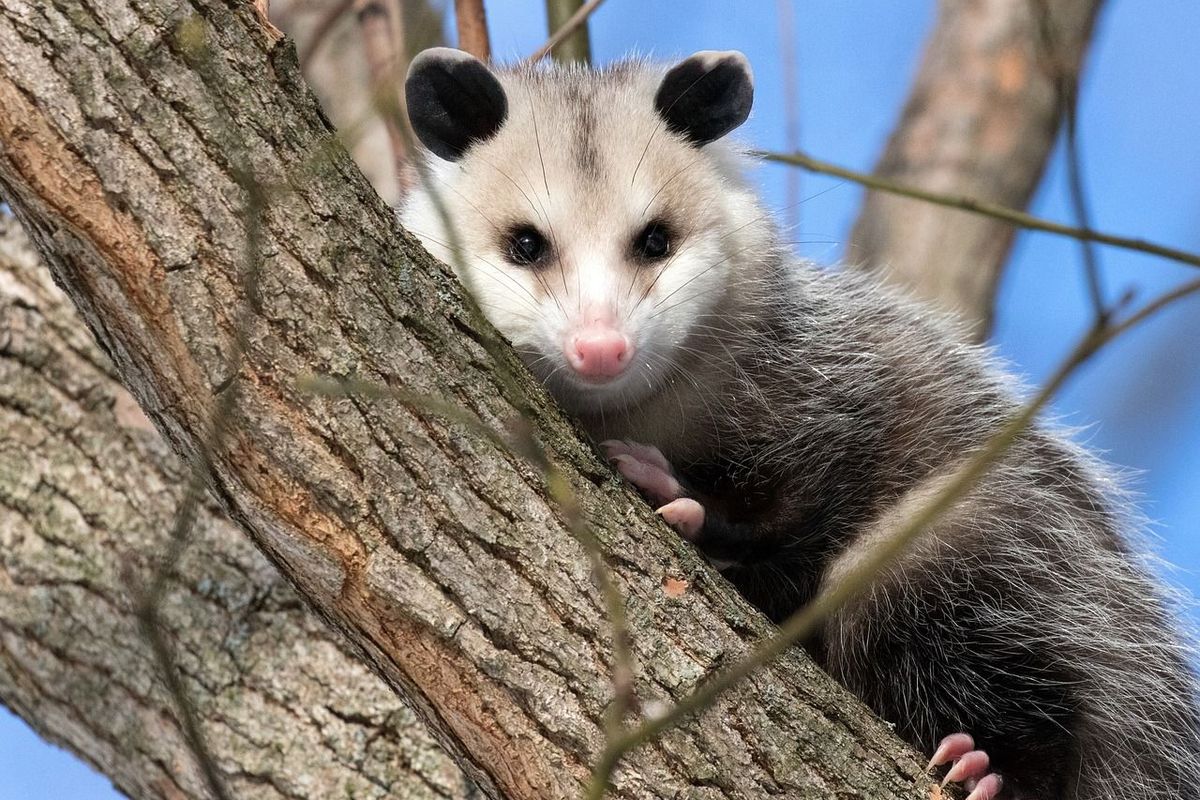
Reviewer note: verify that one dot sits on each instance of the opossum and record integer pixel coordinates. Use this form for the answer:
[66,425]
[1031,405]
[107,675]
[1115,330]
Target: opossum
[784,417]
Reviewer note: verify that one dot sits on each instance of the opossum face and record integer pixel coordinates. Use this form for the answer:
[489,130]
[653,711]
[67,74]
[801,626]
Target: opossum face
[592,213]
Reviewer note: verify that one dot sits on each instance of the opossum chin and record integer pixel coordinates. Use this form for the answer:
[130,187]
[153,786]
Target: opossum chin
[583,395]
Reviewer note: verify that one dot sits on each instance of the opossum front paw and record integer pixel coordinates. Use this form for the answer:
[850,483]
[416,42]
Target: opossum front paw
[685,515]
[969,766]
[648,469]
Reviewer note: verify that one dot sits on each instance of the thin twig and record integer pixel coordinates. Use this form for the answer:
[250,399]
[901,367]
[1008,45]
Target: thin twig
[975,206]
[805,621]
[471,19]
[149,604]
[559,488]
[624,691]
[568,40]
[565,30]
[194,40]
[1067,91]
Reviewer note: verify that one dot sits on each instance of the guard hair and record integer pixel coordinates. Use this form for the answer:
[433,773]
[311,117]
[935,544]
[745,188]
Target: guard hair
[604,226]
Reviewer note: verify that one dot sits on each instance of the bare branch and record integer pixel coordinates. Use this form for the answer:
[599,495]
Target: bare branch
[473,28]
[981,121]
[335,63]
[580,17]
[790,67]
[972,205]
[320,33]
[379,21]
[569,16]
[1067,91]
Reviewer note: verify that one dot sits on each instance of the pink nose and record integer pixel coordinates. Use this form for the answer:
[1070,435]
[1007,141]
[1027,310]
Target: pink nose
[599,352]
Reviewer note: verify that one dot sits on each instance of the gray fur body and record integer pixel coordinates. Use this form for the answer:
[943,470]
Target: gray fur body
[810,409]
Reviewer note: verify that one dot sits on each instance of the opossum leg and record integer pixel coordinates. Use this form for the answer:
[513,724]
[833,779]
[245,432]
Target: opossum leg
[970,766]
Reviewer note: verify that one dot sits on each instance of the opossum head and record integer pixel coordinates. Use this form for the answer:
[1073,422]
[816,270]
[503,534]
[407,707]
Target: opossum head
[596,215]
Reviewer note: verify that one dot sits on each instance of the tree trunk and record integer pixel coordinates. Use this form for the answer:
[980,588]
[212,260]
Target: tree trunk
[980,121]
[88,492]
[126,131]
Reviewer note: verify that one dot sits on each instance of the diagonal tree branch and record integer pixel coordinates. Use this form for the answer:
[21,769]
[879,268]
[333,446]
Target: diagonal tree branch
[572,27]
[404,530]
[981,121]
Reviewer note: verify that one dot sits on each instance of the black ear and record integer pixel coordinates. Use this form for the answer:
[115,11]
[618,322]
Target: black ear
[454,100]
[706,95]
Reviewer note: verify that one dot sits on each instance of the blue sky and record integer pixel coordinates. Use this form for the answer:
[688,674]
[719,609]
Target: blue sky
[1138,403]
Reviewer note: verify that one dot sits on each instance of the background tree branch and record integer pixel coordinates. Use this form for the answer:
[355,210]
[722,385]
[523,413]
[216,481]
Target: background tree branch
[400,528]
[981,121]
[337,65]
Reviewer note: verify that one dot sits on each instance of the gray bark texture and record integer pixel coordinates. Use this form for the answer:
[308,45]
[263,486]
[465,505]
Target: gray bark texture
[981,121]
[126,133]
[88,496]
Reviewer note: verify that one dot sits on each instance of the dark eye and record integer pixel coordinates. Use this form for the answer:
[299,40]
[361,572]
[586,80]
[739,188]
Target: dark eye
[526,246]
[654,242]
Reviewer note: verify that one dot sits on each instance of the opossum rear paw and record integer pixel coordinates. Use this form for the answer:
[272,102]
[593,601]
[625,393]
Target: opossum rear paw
[969,767]
[646,468]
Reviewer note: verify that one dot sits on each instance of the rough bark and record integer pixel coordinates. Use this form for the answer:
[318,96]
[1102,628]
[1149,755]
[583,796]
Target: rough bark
[88,493]
[981,120]
[437,553]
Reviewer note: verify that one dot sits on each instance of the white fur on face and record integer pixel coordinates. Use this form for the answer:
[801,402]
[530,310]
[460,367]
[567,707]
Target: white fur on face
[585,159]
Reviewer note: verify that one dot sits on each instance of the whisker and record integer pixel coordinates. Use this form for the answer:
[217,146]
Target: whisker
[703,272]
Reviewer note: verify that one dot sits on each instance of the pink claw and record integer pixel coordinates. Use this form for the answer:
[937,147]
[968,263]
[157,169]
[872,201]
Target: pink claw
[685,515]
[648,469]
[969,766]
[645,467]
[952,748]
[988,787]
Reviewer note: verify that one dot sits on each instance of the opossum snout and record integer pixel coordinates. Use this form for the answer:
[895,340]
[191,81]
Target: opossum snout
[599,352]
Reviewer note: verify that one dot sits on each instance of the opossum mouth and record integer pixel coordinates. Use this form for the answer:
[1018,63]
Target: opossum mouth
[598,382]
[592,395]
